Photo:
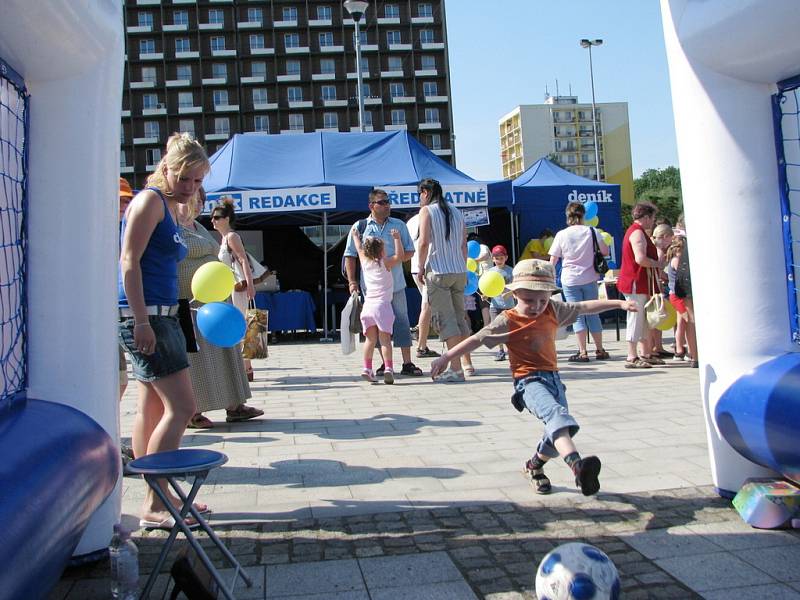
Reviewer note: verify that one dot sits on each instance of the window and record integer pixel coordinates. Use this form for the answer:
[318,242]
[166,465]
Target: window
[255,15]
[258,69]
[424,9]
[367,118]
[396,90]
[289,13]
[180,17]
[330,120]
[182,45]
[145,19]
[296,122]
[326,38]
[186,126]
[428,62]
[293,67]
[426,36]
[185,99]
[395,63]
[259,95]
[430,88]
[215,15]
[219,70]
[147,46]
[435,141]
[294,94]
[149,74]
[431,115]
[327,66]
[365,90]
[261,123]
[394,37]
[123,160]
[362,35]
[153,156]
[398,116]
[121,135]
[149,101]
[222,125]
[217,43]
[329,92]
[324,13]
[183,72]
[256,40]
[151,129]
[391,11]
[364,66]
[220,97]
[291,40]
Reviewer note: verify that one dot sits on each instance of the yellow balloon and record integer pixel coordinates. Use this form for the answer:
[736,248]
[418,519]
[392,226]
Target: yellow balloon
[672,317]
[593,221]
[607,238]
[472,265]
[213,282]
[491,284]
[546,243]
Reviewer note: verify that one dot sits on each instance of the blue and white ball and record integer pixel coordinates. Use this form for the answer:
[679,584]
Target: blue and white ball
[577,571]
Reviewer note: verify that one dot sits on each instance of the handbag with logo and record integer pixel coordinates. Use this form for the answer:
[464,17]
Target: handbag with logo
[600,264]
[256,335]
[655,309]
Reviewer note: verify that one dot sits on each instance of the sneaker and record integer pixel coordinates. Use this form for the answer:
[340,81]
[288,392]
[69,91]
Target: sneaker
[501,355]
[427,353]
[586,475]
[368,375]
[379,371]
[450,376]
[687,357]
[411,369]
[539,480]
[388,377]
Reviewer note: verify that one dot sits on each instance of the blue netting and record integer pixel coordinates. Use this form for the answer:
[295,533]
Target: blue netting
[13,193]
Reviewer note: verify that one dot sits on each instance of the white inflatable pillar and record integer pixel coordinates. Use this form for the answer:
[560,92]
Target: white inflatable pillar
[71,56]
[724,59]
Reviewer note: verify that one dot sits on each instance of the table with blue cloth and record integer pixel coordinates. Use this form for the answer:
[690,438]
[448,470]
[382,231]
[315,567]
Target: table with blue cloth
[288,311]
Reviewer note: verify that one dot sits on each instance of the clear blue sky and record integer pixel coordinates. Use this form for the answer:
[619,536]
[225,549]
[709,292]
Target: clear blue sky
[504,52]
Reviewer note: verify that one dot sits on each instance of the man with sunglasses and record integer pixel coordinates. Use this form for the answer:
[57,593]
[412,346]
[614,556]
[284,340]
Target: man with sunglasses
[380,224]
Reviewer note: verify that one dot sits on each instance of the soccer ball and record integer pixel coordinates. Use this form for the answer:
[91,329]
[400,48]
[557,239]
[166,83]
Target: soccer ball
[577,572]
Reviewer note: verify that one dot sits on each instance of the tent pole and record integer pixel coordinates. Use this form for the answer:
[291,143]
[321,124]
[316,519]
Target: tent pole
[326,337]
[513,238]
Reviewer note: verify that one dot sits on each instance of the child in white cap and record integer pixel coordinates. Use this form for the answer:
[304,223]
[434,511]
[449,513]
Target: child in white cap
[529,332]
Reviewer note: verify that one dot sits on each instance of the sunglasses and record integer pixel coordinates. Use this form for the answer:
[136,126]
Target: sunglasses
[380,202]
[216,217]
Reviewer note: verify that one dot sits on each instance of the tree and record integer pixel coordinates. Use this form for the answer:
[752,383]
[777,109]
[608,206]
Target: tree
[662,187]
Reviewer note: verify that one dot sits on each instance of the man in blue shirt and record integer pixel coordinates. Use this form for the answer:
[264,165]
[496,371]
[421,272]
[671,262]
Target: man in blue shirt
[380,224]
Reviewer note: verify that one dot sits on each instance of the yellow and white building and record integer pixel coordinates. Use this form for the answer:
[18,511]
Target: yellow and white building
[561,128]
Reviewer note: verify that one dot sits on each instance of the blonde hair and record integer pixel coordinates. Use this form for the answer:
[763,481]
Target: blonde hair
[184,153]
[199,197]
[676,247]
[662,230]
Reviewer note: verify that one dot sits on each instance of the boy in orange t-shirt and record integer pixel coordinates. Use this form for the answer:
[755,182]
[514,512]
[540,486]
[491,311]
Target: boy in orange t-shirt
[529,332]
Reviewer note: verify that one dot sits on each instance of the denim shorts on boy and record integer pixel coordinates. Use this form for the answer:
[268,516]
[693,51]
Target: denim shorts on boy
[170,353]
[544,395]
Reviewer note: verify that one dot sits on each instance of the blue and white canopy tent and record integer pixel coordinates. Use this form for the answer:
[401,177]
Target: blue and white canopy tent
[543,191]
[325,178]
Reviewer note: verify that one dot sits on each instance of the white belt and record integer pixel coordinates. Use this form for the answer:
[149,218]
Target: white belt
[158,310]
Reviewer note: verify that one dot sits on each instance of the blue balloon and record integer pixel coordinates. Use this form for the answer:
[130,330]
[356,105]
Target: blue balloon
[472,284]
[473,249]
[591,210]
[612,264]
[221,324]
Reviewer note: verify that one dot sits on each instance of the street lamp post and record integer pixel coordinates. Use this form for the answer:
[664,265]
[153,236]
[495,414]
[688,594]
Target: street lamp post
[588,44]
[357,8]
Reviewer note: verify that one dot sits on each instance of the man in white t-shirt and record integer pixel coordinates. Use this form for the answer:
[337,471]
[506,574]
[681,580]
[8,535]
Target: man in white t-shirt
[424,323]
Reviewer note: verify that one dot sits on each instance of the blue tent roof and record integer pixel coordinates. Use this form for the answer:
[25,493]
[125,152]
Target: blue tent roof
[545,173]
[350,162]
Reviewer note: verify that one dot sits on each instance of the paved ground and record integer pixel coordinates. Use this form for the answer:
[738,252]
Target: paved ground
[349,490]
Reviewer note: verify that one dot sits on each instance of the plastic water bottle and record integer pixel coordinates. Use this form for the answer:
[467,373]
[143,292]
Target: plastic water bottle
[124,565]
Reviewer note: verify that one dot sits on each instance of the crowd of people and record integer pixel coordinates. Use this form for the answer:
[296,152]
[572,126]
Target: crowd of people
[180,375]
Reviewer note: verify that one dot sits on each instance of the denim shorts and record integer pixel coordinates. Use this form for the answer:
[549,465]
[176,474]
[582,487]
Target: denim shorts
[581,293]
[401,332]
[544,395]
[169,356]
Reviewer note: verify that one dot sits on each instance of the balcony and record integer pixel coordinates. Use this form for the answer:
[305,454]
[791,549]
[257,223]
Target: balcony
[187,54]
[151,56]
[335,129]
[301,104]
[139,28]
[443,152]
[430,125]
[151,168]
[252,79]
[432,45]
[144,140]
[369,47]
[250,24]
[178,82]
[398,127]
[298,50]
[436,99]
[334,103]
[421,20]
[215,80]
[262,51]
[211,137]
[400,47]
[223,53]
[388,20]
[285,78]
[126,168]
[175,27]
[392,74]
[323,76]
[284,24]
[372,100]
[226,107]
[364,75]
[266,106]
[221,1]
[366,128]
[403,99]
[331,49]
[140,85]
[125,113]
[148,2]
[292,131]
[211,26]
[161,109]
[184,1]
[426,72]
[320,22]
[190,110]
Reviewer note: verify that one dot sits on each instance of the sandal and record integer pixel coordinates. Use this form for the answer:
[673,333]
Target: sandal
[601,355]
[578,357]
[200,421]
[636,363]
[242,413]
[250,375]
[470,370]
[410,368]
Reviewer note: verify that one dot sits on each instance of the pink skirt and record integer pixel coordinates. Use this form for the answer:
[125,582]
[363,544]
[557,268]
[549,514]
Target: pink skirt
[377,313]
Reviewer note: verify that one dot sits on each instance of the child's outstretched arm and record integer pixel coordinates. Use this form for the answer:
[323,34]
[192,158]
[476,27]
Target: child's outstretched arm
[399,252]
[357,242]
[440,364]
[590,307]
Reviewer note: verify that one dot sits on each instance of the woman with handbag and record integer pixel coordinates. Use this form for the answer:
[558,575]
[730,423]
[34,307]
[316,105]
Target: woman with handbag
[233,254]
[639,255]
[218,374]
[577,248]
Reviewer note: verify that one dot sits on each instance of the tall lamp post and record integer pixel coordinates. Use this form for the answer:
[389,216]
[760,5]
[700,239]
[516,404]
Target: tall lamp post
[357,8]
[588,44]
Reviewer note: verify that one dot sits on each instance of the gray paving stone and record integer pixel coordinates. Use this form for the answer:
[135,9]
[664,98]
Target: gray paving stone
[755,592]
[738,535]
[711,572]
[665,543]
[314,578]
[391,572]
[429,591]
[782,563]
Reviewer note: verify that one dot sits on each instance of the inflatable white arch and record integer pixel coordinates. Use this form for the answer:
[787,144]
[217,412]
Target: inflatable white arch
[725,58]
[71,57]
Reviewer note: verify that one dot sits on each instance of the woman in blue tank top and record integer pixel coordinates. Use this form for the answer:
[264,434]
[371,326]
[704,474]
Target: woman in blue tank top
[151,248]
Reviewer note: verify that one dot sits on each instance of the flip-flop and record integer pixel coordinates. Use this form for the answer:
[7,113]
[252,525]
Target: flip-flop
[166,524]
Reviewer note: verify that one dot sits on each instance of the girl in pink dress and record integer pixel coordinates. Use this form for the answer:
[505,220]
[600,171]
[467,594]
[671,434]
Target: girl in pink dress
[377,316]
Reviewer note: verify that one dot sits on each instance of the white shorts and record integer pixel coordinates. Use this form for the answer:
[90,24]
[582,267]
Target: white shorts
[423,289]
[636,328]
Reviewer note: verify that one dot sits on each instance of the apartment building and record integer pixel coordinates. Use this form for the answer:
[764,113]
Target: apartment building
[561,129]
[219,67]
